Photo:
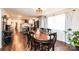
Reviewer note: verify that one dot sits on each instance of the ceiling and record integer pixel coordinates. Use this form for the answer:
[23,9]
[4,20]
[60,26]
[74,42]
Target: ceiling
[30,11]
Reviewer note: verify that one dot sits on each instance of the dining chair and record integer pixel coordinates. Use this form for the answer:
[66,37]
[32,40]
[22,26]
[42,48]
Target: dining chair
[45,45]
[25,30]
[35,44]
[53,37]
[7,33]
[48,31]
[7,37]
[49,44]
[29,38]
[7,40]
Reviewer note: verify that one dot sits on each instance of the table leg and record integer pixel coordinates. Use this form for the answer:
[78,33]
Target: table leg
[41,47]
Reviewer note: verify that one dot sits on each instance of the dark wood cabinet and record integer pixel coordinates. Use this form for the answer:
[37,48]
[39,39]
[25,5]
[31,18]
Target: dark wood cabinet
[36,24]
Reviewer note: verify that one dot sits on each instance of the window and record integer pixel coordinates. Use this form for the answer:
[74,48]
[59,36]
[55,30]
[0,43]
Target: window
[51,22]
[57,22]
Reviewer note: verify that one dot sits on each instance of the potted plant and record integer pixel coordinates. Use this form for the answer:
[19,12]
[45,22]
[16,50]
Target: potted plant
[75,40]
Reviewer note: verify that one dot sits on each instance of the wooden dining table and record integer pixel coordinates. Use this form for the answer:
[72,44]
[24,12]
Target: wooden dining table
[41,38]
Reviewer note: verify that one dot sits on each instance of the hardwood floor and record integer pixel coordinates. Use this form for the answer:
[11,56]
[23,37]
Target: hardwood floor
[20,44]
[62,46]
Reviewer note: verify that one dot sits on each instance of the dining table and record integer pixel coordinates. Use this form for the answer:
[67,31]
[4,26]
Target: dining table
[41,37]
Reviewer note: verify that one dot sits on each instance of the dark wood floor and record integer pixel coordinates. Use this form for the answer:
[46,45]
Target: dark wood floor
[20,44]
[62,46]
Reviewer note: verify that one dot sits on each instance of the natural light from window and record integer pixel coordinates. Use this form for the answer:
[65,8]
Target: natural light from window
[57,22]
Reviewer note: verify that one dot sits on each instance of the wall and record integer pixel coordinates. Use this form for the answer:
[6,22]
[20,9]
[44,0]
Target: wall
[0,30]
[75,22]
[61,35]
[72,21]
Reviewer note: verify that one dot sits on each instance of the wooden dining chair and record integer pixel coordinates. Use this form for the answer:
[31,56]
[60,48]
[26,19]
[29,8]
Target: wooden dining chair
[45,45]
[25,30]
[7,40]
[29,38]
[49,44]
[53,37]
[35,45]
[7,37]
[48,31]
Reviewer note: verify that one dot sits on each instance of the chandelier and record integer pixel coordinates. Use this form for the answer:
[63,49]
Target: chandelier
[39,10]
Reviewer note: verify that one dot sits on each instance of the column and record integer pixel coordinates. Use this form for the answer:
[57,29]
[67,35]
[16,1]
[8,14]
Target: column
[43,22]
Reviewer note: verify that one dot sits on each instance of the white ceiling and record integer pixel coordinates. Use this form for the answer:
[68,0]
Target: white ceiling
[25,12]
[30,11]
